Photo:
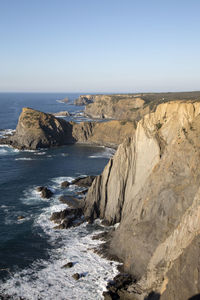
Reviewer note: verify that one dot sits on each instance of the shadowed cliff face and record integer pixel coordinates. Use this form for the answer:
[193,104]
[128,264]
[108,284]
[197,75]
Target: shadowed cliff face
[151,186]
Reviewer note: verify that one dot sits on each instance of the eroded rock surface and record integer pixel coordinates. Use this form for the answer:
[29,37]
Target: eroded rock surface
[151,186]
[36,129]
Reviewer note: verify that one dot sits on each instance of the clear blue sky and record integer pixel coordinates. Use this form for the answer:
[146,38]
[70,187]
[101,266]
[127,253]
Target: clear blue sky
[99,45]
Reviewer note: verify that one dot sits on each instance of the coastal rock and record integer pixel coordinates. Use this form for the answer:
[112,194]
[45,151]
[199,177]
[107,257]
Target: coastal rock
[45,192]
[76,276]
[36,129]
[83,181]
[65,184]
[109,134]
[84,100]
[151,186]
[132,106]
[62,114]
[20,218]
[116,106]
[71,201]
[68,265]
[67,218]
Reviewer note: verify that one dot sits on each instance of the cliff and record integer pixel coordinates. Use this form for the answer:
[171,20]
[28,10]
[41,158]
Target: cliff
[36,129]
[84,100]
[130,106]
[109,134]
[151,186]
[116,107]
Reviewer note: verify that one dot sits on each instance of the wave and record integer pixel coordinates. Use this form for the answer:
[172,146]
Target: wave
[47,279]
[24,158]
[107,153]
[8,150]
[5,132]
[39,153]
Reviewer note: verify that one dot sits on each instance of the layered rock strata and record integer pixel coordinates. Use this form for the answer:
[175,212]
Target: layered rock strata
[151,186]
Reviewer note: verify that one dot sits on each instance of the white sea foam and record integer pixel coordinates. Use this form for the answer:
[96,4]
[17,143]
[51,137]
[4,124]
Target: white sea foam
[31,196]
[39,153]
[107,153]
[46,279]
[6,132]
[24,158]
[58,180]
[7,150]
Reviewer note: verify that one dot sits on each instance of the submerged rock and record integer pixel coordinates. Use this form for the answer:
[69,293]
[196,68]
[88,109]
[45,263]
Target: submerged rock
[83,181]
[67,218]
[45,192]
[65,184]
[68,265]
[76,276]
[20,218]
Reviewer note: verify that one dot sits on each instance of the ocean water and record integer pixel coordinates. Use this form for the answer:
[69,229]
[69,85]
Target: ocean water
[32,252]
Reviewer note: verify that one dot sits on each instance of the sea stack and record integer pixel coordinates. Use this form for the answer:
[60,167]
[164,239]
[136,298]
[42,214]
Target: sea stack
[36,129]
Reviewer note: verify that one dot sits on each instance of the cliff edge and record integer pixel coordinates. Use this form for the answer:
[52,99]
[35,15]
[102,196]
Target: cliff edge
[151,187]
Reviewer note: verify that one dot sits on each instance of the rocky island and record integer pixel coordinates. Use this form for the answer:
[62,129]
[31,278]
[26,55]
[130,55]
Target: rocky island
[149,190]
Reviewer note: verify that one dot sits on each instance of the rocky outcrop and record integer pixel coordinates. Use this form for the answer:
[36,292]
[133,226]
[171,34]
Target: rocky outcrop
[36,129]
[84,100]
[109,134]
[151,186]
[116,107]
[61,114]
[131,106]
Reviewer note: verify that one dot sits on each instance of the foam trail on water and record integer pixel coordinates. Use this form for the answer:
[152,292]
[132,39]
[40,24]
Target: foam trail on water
[48,279]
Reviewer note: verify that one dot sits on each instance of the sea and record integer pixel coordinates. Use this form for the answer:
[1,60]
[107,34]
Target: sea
[32,252]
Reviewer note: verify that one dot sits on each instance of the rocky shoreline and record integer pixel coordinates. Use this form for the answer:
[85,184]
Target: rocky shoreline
[149,192]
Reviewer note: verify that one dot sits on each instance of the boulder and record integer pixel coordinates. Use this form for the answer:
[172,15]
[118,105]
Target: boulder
[76,276]
[46,193]
[72,201]
[68,265]
[67,218]
[83,181]
[20,218]
[65,184]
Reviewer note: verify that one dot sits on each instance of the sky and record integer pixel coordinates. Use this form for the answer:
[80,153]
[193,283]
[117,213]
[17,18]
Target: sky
[99,45]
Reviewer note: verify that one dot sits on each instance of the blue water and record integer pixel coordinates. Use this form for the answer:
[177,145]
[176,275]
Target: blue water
[28,245]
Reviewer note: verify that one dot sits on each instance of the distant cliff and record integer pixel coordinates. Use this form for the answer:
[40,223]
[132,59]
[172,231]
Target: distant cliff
[151,186]
[36,129]
[129,106]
